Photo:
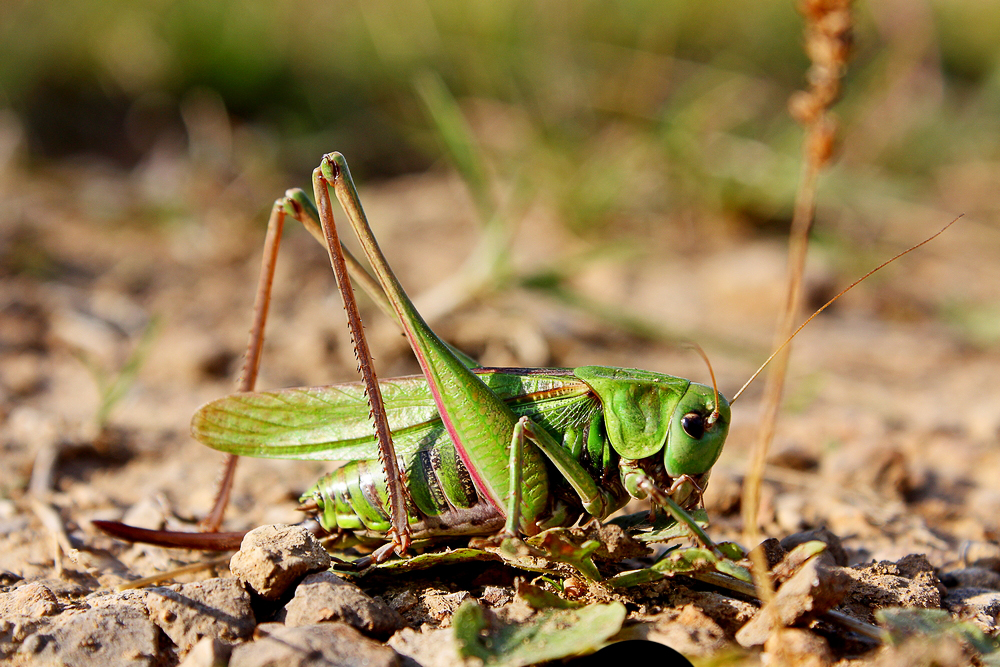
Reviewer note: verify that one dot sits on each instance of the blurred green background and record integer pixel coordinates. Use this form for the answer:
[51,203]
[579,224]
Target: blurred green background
[618,112]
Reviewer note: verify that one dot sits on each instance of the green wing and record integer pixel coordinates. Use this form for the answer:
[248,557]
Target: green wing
[332,423]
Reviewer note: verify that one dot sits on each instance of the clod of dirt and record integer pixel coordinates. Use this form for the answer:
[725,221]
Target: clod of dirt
[774,552]
[729,613]
[324,597]
[835,552]
[795,646]
[272,558]
[95,637]
[815,588]
[188,613]
[323,644]
[910,582]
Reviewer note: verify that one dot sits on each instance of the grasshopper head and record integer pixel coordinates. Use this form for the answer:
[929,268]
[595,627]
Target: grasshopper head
[697,432]
[646,413]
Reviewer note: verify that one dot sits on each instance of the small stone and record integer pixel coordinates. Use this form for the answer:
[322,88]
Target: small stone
[944,651]
[794,458]
[442,606]
[324,596]
[314,645]
[33,429]
[272,558]
[8,578]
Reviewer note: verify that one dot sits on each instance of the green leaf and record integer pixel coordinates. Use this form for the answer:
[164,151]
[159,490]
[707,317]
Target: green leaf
[549,635]
[558,546]
[692,560]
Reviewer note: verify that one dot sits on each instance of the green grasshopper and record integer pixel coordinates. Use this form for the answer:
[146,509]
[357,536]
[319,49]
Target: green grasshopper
[460,450]
[480,449]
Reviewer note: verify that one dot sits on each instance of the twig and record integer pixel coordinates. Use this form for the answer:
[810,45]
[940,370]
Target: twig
[171,574]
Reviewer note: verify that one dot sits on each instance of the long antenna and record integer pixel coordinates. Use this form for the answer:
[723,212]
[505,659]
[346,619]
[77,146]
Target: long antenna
[827,304]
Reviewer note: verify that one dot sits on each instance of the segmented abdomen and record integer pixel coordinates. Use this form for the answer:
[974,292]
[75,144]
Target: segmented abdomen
[442,499]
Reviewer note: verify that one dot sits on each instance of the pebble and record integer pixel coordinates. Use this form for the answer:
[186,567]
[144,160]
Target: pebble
[324,596]
[272,558]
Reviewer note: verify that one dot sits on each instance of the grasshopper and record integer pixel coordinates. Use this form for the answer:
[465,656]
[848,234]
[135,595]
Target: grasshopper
[460,450]
[480,450]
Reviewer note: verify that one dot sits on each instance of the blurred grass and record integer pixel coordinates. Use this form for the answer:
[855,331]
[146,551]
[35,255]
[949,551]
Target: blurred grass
[617,112]
[616,117]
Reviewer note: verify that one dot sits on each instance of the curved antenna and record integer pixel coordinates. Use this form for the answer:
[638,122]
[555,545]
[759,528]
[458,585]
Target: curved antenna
[827,304]
[712,418]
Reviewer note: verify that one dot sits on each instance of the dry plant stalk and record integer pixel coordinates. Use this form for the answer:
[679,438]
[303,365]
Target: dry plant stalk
[828,44]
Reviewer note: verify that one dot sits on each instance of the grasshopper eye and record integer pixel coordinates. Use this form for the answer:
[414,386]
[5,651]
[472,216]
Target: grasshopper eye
[694,425]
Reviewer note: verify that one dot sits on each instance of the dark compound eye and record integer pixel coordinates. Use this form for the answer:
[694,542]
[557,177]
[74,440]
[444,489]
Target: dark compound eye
[694,425]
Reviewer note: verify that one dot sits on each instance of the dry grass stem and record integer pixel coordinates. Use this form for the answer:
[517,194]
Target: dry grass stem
[827,42]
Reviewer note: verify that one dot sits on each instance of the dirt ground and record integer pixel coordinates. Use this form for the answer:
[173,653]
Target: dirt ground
[888,437]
